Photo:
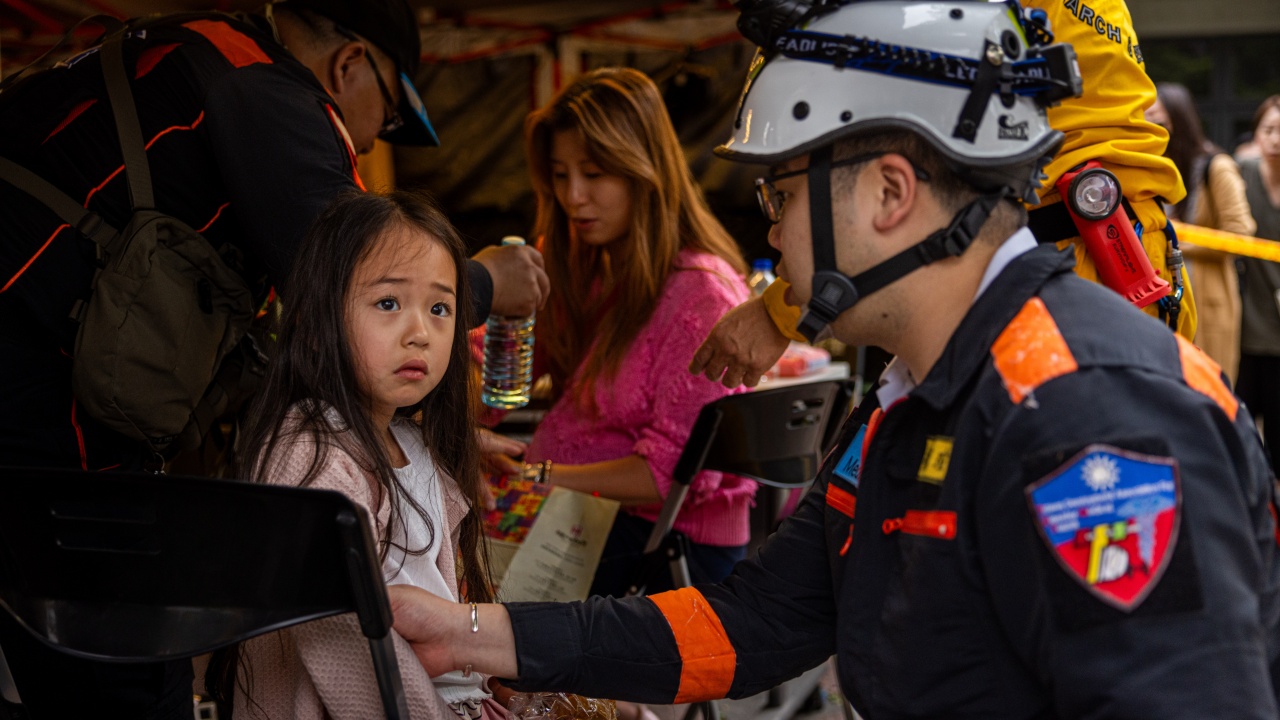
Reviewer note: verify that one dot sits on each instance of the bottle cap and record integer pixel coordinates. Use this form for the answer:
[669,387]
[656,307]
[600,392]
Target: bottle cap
[762,264]
[513,240]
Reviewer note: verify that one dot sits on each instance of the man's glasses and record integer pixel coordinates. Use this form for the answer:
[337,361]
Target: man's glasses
[391,118]
[772,199]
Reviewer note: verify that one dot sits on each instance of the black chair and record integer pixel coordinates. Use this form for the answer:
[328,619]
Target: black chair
[133,567]
[775,437]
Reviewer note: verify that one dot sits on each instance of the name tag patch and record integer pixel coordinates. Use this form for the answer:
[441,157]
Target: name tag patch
[1111,518]
[936,460]
[851,461]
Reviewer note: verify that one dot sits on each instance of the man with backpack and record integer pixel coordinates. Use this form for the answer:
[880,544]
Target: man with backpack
[232,132]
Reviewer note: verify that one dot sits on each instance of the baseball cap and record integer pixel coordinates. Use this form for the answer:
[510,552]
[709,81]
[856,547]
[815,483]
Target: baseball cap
[389,24]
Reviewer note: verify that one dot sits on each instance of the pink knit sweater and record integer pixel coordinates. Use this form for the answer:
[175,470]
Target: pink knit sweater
[323,669]
[649,408]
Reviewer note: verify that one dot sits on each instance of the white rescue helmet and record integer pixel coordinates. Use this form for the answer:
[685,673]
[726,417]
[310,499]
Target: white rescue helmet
[973,78]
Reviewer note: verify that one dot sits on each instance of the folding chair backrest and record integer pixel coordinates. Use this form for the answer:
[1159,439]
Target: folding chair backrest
[141,567]
[773,436]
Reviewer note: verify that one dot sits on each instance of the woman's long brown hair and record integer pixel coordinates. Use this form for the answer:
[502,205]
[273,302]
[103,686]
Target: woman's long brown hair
[624,125]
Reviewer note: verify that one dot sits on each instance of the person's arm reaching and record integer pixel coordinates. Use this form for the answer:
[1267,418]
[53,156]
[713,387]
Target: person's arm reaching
[773,618]
[744,344]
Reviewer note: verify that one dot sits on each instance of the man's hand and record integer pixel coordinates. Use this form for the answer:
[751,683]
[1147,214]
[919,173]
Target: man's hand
[439,631]
[425,620]
[520,284]
[741,347]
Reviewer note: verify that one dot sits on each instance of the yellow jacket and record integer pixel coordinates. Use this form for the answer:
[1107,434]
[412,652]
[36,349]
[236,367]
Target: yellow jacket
[1106,123]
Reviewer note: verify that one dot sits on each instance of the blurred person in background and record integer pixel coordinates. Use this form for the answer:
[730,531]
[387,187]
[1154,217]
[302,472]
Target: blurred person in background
[1259,384]
[1215,199]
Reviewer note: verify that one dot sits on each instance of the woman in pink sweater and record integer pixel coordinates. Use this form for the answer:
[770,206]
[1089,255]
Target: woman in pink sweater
[640,272]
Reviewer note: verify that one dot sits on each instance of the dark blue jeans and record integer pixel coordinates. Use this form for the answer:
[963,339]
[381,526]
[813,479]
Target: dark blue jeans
[620,562]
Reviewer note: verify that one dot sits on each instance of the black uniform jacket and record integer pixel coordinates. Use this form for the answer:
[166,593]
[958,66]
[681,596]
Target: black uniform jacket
[244,144]
[1071,516]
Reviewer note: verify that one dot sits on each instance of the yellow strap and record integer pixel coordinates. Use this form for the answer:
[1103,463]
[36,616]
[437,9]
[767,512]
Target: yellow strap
[785,317]
[1228,242]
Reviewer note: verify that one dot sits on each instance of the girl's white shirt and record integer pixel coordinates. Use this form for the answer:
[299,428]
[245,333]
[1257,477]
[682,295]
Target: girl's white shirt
[422,481]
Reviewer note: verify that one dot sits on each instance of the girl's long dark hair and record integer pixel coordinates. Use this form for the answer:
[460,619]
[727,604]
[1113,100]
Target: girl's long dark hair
[1187,143]
[312,371]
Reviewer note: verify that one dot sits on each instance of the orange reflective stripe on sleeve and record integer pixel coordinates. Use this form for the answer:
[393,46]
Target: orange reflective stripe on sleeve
[1031,351]
[239,49]
[1205,377]
[707,658]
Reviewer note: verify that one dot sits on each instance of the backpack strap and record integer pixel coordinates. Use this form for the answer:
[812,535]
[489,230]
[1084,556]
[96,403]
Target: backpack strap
[73,213]
[128,128]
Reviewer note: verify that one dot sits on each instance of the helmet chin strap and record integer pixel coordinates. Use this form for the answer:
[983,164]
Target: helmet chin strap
[833,291]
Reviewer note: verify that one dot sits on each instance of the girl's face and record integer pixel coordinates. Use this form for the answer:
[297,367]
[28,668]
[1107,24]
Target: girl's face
[401,319]
[598,204]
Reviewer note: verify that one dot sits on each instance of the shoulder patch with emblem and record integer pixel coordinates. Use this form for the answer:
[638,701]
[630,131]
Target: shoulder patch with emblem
[1110,518]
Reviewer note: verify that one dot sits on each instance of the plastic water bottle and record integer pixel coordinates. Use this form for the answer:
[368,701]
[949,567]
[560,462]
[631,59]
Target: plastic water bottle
[508,357]
[761,275]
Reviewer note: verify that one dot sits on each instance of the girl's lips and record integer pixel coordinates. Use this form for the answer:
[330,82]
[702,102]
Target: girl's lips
[584,224]
[412,370]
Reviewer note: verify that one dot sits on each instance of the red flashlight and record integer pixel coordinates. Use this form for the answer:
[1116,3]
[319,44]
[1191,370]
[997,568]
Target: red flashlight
[1092,196]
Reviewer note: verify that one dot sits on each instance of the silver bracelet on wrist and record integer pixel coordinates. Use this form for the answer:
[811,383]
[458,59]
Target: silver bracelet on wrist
[475,628]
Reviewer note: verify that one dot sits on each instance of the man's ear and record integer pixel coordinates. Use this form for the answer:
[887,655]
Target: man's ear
[897,188]
[343,64]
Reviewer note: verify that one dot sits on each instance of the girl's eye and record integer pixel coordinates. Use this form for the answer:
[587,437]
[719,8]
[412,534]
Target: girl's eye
[559,175]
[442,309]
[388,304]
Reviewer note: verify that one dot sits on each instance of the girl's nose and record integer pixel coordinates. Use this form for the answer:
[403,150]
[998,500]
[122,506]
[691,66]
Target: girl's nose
[417,333]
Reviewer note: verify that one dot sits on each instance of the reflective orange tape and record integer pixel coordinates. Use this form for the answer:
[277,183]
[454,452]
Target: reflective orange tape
[1205,377]
[1031,351]
[239,49]
[707,658]
[930,523]
[842,500]
[151,57]
[43,247]
[76,112]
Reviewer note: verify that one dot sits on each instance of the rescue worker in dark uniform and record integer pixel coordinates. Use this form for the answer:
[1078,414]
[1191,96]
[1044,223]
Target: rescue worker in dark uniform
[1052,508]
[252,125]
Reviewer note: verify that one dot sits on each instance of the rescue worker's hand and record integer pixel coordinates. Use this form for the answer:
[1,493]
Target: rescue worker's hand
[741,347]
[446,635]
[422,619]
[520,284]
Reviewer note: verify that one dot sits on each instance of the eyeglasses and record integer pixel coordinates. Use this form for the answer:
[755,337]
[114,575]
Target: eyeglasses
[772,199]
[391,119]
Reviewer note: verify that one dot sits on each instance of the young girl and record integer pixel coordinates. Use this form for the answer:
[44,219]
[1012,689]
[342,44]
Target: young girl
[369,394]
[640,271]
